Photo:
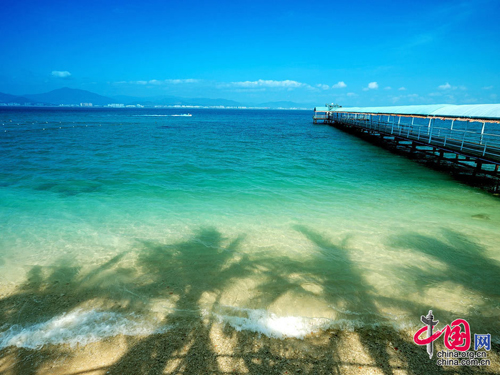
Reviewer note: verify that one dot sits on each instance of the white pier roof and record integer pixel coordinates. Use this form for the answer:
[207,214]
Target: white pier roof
[480,111]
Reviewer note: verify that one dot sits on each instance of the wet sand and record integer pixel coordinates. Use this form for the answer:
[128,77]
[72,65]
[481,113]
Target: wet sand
[191,343]
[212,348]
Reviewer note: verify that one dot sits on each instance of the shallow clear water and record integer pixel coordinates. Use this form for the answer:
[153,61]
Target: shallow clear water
[257,219]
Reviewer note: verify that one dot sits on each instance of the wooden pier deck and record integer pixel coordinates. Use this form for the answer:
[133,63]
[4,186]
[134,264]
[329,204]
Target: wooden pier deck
[471,142]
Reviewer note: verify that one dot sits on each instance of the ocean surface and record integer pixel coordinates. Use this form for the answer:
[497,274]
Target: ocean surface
[135,221]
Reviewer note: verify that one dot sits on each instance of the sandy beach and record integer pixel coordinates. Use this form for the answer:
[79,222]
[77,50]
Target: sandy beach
[112,319]
[207,347]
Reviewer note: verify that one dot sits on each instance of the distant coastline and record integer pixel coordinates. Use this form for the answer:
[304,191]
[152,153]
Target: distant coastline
[67,97]
[128,106]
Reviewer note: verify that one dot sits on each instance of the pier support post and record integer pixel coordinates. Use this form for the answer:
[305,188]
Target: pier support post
[478,168]
[413,148]
[440,157]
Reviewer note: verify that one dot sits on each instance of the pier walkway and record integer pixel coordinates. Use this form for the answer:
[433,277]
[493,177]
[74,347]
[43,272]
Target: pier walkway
[467,135]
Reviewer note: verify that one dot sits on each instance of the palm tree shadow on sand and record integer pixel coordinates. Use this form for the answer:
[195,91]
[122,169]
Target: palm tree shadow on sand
[460,263]
[181,271]
[344,286]
[207,264]
[50,293]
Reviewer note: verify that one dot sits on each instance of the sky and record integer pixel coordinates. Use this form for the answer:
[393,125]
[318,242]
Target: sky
[359,53]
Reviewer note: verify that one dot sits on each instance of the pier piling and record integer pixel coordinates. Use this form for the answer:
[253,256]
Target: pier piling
[468,134]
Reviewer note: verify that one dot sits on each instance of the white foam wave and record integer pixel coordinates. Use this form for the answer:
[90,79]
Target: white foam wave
[272,325]
[78,327]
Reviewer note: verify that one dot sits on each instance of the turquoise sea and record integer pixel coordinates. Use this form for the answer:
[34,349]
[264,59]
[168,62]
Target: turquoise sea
[131,221]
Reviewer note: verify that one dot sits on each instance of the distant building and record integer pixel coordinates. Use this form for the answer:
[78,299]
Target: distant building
[85,104]
[116,105]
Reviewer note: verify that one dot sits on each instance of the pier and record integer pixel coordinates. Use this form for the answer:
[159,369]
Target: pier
[465,139]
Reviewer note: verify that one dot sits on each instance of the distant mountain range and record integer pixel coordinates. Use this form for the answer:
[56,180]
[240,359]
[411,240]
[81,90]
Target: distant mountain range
[68,96]
[7,98]
[174,100]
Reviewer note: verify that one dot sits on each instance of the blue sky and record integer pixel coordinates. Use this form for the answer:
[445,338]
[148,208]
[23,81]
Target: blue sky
[351,53]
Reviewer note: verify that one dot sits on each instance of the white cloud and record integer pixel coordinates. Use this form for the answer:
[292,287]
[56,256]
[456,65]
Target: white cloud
[487,87]
[351,94]
[339,85]
[178,81]
[159,82]
[447,86]
[402,88]
[371,86]
[388,88]
[61,73]
[239,86]
[172,81]
[268,83]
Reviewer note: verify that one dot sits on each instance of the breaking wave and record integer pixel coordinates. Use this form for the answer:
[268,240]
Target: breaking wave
[272,325]
[78,327]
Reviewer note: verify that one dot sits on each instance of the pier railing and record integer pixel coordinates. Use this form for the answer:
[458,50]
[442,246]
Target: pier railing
[451,134]
[320,117]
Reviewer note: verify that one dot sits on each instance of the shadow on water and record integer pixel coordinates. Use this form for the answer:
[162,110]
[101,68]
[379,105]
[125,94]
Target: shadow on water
[358,299]
[465,260]
[180,270]
[70,188]
[203,267]
[459,262]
